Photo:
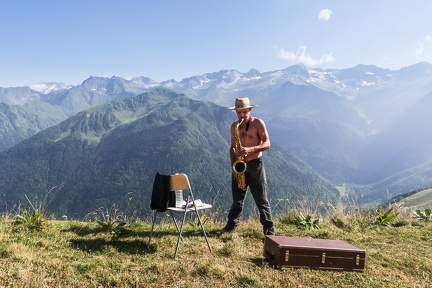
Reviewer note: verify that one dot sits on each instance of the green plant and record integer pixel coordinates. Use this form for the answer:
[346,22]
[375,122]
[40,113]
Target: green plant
[385,218]
[32,221]
[111,220]
[115,228]
[302,221]
[423,215]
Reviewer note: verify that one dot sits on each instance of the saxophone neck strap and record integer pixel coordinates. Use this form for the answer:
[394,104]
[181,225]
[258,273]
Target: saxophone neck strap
[247,125]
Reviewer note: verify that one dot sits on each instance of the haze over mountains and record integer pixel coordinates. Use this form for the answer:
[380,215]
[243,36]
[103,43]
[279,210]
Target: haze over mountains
[364,126]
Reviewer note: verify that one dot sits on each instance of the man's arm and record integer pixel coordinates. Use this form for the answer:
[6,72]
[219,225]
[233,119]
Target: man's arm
[264,136]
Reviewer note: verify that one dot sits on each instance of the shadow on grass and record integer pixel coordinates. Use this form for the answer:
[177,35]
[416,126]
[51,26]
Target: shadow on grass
[261,262]
[122,246]
[127,242]
[84,230]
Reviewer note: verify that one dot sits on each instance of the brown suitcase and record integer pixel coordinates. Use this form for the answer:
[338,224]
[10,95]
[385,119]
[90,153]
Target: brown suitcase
[282,251]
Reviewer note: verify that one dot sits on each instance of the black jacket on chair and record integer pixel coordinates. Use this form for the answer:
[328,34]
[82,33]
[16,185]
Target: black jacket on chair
[162,197]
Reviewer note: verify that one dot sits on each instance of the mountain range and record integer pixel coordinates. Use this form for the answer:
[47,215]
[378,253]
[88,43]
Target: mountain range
[110,154]
[364,127]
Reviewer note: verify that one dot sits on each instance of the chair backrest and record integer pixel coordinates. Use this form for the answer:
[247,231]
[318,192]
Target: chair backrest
[179,182]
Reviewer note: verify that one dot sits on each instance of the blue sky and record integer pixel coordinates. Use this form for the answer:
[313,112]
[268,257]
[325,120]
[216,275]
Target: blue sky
[70,40]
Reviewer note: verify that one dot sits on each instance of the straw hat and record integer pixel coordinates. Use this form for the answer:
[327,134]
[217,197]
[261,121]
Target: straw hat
[242,103]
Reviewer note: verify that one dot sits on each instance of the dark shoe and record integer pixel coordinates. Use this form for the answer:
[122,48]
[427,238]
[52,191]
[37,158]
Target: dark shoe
[229,228]
[269,230]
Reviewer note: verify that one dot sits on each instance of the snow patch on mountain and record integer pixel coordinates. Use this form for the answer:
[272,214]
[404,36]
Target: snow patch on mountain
[46,88]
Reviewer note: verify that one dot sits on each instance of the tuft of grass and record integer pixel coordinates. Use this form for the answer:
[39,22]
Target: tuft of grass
[31,220]
[249,280]
[112,220]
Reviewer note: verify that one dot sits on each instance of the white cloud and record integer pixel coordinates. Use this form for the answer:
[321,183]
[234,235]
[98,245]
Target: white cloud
[301,56]
[421,44]
[325,14]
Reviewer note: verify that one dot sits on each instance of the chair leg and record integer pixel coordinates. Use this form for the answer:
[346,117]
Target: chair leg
[203,230]
[175,222]
[180,234]
[151,232]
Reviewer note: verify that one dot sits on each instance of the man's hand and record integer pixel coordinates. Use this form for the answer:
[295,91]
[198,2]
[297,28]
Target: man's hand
[244,151]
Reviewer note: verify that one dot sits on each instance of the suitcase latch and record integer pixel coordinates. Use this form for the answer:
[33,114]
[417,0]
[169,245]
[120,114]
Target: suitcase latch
[287,256]
[323,258]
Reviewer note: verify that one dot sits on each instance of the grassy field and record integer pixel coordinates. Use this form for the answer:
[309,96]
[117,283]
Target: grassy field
[85,254]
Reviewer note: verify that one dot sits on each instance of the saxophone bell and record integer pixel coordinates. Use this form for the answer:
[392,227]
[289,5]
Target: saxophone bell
[239,167]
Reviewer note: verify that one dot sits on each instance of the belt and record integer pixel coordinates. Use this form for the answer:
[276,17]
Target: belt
[254,161]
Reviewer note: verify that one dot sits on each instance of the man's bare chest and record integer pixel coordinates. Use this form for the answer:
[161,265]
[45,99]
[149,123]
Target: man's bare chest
[249,138]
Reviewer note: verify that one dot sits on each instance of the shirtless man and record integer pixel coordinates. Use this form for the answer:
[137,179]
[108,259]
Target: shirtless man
[254,140]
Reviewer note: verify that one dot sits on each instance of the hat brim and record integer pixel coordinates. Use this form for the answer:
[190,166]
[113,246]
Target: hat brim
[239,108]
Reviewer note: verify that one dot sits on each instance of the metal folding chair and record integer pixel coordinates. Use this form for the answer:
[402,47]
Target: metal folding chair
[181,182]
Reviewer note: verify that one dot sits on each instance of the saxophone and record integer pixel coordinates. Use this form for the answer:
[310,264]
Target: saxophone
[239,166]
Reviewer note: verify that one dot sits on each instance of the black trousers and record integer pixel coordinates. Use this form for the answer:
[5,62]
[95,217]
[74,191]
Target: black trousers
[257,182]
